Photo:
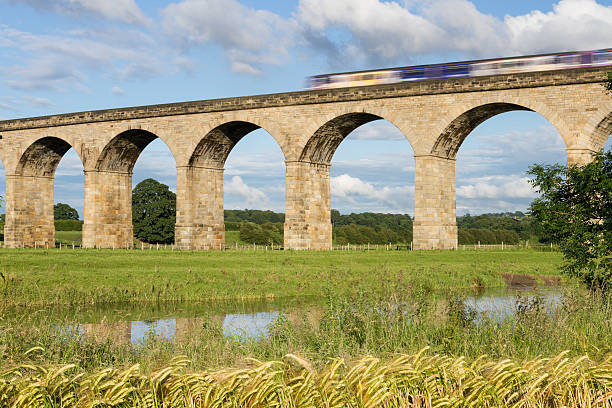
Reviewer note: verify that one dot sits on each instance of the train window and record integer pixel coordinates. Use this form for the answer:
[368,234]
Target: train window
[455,70]
[412,74]
[368,77]
[567,59]
[316,82]
[602,57]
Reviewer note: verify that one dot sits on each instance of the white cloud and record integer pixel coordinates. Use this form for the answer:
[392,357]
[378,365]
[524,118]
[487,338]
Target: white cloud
[377,29]
[251,196]
[56,61]
[571,25]
[18,104]
[125,11]
[377,130]
[346,189]
[497,187]
[389,31]
[249,37]
[117,91]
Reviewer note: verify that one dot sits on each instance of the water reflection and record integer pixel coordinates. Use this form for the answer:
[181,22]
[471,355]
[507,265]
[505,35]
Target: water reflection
[499,306]
[245,323]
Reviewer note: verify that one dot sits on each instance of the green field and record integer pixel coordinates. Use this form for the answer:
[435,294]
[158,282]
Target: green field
[358,304]
[69,237]
[67,276]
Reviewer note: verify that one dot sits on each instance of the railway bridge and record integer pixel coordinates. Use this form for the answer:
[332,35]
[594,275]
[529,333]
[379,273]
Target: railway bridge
[435,117]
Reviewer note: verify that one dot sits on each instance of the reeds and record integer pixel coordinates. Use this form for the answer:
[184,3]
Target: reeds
[419,380]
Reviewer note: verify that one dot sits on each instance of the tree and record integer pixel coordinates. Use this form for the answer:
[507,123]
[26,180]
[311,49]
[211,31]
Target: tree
[63,211]
[608,82]
[153,212]
[575,209]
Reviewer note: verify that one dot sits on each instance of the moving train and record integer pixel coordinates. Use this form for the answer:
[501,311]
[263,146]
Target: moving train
[512,65]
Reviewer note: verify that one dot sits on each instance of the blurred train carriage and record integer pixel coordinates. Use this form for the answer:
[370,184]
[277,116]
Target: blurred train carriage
[513,65]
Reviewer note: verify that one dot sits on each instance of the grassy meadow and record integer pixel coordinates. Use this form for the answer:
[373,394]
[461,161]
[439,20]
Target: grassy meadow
[380,328]
[81,276]
[427,353]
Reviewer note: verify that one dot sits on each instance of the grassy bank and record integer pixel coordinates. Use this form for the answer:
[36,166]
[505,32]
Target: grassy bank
[44,277]
[333,344]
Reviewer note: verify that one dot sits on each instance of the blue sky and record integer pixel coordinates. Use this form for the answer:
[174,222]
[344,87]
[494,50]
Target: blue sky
[74,55]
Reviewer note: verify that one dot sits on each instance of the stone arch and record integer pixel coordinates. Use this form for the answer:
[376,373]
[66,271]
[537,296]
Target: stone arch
[460,122]
[214,148]
[42,157]
[599,128]
[321,146]
[121,152]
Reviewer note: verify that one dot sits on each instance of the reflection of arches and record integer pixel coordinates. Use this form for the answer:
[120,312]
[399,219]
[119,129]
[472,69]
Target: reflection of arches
[42,157]
[121,153]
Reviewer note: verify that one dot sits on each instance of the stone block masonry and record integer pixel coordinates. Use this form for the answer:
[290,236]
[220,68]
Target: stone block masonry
[435,117]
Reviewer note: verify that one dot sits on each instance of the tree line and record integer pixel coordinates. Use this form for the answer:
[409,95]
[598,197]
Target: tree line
[266,227]
[154,215]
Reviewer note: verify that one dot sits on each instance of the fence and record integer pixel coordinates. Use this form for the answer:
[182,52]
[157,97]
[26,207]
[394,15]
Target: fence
[348,247]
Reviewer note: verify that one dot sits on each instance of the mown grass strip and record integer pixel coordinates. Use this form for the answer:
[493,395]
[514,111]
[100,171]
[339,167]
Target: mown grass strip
[64,277]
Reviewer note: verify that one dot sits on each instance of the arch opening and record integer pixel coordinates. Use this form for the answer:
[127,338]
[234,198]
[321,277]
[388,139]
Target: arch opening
[602,132]
[109,218]
[30,193]
[309,210]
[322,145]
[372,187]
[42,157]
[451,138]
[493,192]
[216,146]
[121,153]
[237,165]
[69,193]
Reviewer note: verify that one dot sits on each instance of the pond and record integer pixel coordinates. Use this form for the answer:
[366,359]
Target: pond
[135,323]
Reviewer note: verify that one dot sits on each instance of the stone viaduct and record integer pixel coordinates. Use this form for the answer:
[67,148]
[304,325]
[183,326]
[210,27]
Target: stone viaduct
[435,117]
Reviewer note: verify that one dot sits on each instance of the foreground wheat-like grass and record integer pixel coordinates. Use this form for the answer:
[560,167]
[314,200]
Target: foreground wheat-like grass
[419,380]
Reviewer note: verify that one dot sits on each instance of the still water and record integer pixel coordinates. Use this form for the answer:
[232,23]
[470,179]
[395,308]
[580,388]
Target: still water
[135,324]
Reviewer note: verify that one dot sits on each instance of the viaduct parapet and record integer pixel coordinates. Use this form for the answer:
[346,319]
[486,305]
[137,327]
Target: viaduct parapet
[434,116]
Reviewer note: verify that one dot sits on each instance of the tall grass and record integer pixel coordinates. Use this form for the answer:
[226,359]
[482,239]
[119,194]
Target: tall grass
[418,380]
